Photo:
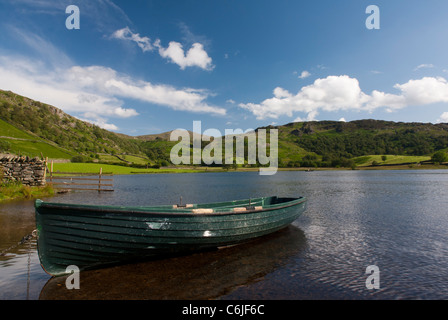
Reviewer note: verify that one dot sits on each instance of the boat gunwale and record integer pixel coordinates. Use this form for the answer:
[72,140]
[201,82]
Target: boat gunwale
[106,209]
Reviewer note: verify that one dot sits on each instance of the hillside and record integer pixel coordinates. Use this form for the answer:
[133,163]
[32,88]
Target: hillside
[49,127]
[333,141]
[16,141]
[32,128]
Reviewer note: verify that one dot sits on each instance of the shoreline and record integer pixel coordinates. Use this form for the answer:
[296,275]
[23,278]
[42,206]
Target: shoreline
[22,192]
[93,169]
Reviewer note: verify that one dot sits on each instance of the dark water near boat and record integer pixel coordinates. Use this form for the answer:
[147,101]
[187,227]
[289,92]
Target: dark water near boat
[396,220]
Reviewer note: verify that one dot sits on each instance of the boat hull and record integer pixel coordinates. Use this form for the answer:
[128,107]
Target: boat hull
[91,237]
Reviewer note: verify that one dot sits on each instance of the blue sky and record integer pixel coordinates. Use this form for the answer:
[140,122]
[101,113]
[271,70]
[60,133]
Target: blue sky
[141,67]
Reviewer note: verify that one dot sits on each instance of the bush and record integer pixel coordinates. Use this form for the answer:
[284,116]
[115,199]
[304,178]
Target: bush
[4,145]
[164,163]
[439,156]
[78,159]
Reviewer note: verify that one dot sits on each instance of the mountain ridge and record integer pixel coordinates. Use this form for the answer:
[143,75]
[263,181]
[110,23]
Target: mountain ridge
[321,142]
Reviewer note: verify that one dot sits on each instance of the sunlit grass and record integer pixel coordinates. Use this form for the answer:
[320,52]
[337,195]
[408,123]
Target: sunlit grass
[390,159]
[16,190]
[94,168]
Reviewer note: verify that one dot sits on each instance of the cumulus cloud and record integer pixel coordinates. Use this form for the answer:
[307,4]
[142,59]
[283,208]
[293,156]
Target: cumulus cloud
[424,91]
[99,121]
[310,117]
[443,118]
[196,56]
[126,34]
[304,74]
[95,92]
[343,93]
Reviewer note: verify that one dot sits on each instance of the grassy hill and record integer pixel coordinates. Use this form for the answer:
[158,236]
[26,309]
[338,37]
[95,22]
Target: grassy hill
[328,143]
[20,142]
[33,128]
[52,124]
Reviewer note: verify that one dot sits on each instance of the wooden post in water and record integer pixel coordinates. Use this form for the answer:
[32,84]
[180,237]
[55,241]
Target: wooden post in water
[99,180]
[51,171]
[45,171]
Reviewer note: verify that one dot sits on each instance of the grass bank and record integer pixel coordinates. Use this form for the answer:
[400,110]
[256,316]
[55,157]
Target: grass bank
[393,163]
[11,191]
[388,160]
[94,168]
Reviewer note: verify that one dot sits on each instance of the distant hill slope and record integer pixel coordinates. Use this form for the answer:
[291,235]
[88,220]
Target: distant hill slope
[165,136]
[365,137]
[16,141]
[53,126]
[32,128]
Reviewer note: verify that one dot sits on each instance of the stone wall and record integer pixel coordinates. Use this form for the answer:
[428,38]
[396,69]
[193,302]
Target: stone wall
[29,171]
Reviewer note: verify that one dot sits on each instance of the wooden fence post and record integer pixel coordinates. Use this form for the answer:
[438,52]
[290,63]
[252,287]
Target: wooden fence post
[51,171]
[99,180]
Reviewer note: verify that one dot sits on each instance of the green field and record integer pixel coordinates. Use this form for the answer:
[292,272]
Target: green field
[23,143]
[107,168]
[134,159]
[7,130]
[35,148]
[390,159]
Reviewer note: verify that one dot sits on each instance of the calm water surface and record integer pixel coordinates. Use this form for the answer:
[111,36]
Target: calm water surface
[396,220]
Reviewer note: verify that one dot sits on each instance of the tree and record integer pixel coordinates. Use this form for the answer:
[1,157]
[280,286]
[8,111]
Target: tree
[384,158]
[78,159]
[439,156]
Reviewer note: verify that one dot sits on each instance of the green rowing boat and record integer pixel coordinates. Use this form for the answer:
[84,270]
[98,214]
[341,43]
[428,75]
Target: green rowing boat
[90,237]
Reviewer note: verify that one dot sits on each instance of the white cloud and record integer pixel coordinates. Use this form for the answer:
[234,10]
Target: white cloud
[195,56]
[281,93]
[310,117]
[100,122]
[342,120]
[424,66]
[330,94]
[304,74]
[336,93]
[95,92]
[424,91]
[443,118]
[126,34]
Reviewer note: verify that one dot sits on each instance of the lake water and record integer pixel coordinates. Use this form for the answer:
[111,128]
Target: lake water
[395,220]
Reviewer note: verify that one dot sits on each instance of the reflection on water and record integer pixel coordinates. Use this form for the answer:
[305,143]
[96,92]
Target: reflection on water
[21,276]
[205,275]
[396,220]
